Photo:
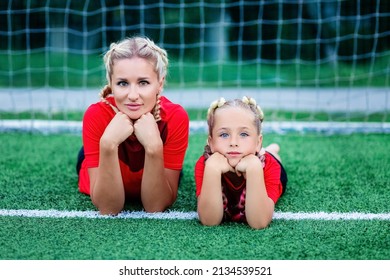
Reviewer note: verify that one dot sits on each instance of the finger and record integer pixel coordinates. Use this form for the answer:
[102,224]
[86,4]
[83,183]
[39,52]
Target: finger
[126,117]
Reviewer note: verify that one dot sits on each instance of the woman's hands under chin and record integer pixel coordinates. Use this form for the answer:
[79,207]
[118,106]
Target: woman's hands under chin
[119,129]
[146,131]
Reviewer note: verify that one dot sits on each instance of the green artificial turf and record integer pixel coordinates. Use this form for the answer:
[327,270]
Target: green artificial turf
[68,239]
[336,173]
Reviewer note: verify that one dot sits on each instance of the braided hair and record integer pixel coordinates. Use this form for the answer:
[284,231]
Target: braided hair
[246,102]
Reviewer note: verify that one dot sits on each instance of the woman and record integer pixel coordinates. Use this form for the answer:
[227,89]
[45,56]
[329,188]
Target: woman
[134,139]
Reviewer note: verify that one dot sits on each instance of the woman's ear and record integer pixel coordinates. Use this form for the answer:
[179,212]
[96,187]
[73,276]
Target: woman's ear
[161,87]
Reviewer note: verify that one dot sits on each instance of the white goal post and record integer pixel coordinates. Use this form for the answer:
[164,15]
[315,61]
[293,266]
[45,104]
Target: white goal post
[303,61]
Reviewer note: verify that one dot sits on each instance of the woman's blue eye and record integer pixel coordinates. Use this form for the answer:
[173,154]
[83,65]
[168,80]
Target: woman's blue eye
[122,83]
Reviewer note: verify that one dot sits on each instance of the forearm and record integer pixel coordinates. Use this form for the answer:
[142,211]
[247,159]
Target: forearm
[210,204]
[259,207]
[107,192]
[156,191]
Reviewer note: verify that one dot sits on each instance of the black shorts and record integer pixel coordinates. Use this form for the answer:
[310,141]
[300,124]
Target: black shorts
[283,174]
[80,158]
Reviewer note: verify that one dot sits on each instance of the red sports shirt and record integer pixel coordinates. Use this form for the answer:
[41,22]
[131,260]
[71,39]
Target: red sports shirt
[233,193]
[174,130]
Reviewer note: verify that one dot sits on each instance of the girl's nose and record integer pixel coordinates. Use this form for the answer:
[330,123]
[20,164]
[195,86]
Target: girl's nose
[233,142]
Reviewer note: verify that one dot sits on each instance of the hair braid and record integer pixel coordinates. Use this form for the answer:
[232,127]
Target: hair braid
[156,110]
[105,91]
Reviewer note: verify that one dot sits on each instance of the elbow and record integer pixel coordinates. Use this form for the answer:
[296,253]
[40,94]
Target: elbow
[210,220]
[108,209]
[210,214]
[155,208]
[260,218]
[158,206]
[258,225]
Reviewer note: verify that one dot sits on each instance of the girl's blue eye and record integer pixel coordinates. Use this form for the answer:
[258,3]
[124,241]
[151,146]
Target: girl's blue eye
[244,134]
[224,135]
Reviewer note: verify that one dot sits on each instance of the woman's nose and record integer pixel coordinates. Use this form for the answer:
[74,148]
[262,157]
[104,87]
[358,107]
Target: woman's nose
[133,93]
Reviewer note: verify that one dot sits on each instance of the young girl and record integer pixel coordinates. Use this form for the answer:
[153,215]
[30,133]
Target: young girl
[236,179]
[134,139]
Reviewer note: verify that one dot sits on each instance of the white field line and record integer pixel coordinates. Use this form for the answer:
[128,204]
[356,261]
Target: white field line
[176,215]
[56,126]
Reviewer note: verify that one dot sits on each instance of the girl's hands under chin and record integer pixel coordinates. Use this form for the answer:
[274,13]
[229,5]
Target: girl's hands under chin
[244,163]
[220,163]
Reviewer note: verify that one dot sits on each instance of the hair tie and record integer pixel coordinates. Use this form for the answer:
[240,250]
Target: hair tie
[216,104]
[249,101]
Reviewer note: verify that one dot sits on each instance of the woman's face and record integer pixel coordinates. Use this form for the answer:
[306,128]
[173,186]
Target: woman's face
[135,86]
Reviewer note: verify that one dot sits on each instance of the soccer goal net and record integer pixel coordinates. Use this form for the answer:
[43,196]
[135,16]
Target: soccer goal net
[307,63]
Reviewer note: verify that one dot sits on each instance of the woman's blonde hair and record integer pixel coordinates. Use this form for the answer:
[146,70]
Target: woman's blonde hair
[137,46]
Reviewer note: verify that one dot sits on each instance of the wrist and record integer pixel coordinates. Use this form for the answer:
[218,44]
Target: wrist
[154,148]
[253,163]
[108,145]
[254,168]
[214,168]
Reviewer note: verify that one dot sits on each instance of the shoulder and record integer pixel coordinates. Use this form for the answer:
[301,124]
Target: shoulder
[100,106]
[170,110]
[198,174]
[271,163]
[200,163]
[176,119]
[269,158]
[199,167]
[97,115]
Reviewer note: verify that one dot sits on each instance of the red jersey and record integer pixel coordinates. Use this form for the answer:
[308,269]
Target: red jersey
[234,189]
[174,131]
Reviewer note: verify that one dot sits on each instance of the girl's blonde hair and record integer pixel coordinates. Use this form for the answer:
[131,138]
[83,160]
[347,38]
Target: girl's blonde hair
[247,103]
[131,47]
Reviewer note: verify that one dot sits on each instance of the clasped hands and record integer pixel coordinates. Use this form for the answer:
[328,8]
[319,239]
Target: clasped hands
[221,163]
[121,127]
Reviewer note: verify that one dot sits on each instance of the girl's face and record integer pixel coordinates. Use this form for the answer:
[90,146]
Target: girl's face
[234,134]
[135,86]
